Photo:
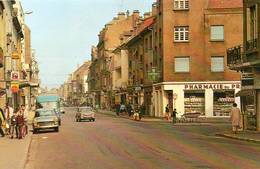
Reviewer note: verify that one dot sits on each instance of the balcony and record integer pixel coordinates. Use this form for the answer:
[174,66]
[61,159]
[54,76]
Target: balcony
[238,57]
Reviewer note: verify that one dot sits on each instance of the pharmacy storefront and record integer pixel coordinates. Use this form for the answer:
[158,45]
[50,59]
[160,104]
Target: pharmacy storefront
[210,99]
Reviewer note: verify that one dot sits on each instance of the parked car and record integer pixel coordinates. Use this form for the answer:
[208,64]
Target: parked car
[85,113]
[45,119]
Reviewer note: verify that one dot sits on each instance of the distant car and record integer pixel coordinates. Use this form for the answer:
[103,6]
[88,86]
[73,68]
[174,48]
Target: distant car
[45,119]
[85,113]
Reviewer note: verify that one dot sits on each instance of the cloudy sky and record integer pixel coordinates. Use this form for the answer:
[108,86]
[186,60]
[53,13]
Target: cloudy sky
[63,31]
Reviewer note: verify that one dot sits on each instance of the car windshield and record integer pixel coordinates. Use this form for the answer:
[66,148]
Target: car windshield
[45,113]
[85,109]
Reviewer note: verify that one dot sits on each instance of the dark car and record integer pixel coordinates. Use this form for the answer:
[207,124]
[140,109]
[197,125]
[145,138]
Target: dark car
[85,113]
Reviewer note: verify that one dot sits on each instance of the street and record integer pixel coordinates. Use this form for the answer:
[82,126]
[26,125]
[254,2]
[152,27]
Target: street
[119,143]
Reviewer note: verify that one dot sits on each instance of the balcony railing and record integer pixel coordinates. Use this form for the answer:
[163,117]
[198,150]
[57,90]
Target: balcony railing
[239,55]
[234,55]
[251,45]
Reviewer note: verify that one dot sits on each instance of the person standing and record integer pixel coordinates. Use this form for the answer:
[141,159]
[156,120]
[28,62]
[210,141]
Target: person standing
[174,116]
[167,110]
[20,123]
[142,111]
[235,117]
[14,125]
[117,109]
[8,110]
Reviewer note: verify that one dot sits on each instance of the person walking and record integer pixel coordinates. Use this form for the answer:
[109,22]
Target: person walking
[167,110]
[20,123]
[13,126]
[129,109]
[142,111]
[117,109]
[235,118]
[8,111]
[174,116]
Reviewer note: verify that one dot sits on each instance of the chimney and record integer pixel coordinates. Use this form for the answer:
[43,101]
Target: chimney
[121,15]
[147,15]
[154,9]
[135,17]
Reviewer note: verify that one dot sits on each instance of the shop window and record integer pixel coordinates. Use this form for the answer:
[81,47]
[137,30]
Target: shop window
[223,101]
[194,102]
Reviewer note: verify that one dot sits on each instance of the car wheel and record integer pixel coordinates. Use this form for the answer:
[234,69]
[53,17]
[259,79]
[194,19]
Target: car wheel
[57,129]
[93,120]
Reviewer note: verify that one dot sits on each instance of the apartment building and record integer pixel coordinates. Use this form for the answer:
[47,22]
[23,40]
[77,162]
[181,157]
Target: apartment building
[190,41]
[109,40]
[246,59]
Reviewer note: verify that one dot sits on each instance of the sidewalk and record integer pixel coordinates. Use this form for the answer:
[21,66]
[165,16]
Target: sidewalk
[13,152]
[250,136]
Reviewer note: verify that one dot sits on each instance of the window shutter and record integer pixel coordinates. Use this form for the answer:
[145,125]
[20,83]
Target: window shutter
[217,64]
[182,64]
[217,32]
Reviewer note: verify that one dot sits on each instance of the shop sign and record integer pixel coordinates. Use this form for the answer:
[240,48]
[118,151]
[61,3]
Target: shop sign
[15,55]
[212,86]
[14,75]
[14,87]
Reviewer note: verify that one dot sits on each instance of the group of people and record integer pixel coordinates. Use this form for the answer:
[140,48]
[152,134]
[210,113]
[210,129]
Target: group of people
[168,115]
[14,121]
[235,117]
[137,111]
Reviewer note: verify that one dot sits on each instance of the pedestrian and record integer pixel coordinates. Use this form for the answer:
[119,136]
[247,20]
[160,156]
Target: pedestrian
[122,108]
[1,123]
[8,111]
[235,117]
[129,109]
[167,111]
[20,123]
[174,116]
[13,126]
[142,111]
[117,109]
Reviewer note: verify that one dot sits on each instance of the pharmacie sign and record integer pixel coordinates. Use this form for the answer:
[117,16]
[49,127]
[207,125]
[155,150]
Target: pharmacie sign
[212,86]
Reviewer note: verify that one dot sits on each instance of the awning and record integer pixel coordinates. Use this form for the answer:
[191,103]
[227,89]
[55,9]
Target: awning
[245,93]
[2,92]
[28,84]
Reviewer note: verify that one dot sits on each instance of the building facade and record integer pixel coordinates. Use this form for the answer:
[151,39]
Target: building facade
[246,59]
[109,40]
[187,35]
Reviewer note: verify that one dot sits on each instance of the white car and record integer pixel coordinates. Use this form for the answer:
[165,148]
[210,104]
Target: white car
[85,113]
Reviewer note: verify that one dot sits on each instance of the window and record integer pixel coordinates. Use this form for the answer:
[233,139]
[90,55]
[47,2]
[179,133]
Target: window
[182,64]
[217,33]
[181,4]
[181,34]
[217,63]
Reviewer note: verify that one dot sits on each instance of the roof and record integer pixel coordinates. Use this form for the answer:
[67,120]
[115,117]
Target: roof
[47,98]
[141,28]
[213,4]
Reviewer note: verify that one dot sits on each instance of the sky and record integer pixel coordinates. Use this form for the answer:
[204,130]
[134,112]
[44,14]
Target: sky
[63,31]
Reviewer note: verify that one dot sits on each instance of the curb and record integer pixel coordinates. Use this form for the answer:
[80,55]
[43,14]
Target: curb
[28,150]
[238,138]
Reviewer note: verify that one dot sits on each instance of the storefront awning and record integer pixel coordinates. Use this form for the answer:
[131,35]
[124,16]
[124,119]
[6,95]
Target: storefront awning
[2,92]
[28,84]
[245,93]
